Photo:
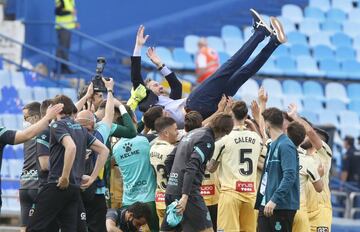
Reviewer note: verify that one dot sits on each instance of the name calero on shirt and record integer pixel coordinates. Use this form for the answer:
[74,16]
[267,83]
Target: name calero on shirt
[244,140]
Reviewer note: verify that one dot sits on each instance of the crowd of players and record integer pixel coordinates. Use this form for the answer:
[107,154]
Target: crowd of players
[200,163]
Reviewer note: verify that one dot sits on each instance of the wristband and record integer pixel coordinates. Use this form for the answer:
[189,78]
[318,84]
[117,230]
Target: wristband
[122,110]
[161,67]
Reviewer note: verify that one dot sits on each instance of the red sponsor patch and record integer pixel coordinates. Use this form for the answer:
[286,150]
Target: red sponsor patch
[245,186]
[207,190]
[159,197]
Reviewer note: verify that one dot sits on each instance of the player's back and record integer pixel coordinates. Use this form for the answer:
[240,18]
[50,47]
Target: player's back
[239,153]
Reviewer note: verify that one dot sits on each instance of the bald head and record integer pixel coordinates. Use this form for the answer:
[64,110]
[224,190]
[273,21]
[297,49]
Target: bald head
[87,119]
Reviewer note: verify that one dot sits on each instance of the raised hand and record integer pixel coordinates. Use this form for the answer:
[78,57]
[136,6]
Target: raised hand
[140,38]
[229,105]
[109,84]
[151,53]
[222,103]
[255,110]
[53,110]
[292,110]
[262,95]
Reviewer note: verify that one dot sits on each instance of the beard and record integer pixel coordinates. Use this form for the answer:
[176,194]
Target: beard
[306,145]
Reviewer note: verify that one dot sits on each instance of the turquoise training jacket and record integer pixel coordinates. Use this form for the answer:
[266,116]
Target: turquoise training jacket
[283,186]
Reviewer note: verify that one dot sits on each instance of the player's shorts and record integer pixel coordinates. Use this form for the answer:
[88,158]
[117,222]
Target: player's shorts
[320,220]
[196,216]
[235,215]
[301,221]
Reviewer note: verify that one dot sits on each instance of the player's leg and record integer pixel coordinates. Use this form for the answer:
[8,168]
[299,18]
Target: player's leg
[301,221]
[81,216]
[250,69]
[165,227]
[263,222]
[154,220]
[228,212]
[69,216]
[27,199]
[247,217]
[282,220]
[161,215]
[213,210]
[196,215]
[96,213]
[321,221]
[49,203]
[205,97]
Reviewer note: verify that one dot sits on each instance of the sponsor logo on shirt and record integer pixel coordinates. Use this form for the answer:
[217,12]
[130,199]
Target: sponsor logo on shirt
[173,179]
[207,190]
[322,229]
[159,197]
[129,151]
[245,186]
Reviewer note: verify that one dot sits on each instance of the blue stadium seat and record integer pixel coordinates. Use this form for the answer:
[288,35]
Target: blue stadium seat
[53,91]
[310,116]
[345,53]
[40,93]
[328,117]
[322,52]
[309,27]
[5,78]
[297,50]
[335,105]
[167,58]
[352,69]
[70,92]
[291,99]
[292,87]
[190,43]
[9,122]
[281,51]
[275,102]
[324,5]
[273,87]
[354,15]
[345,5]
[354,105]
[145,59]
[26,95]
[288,25]
[233,45]
[259,48]
[308,66]
[287,65]
[270,68]
[336,15]
[353,91]
[231,31]
[356,42]
[349,118]
[314,13]
[216,43]
[312,104]
[182,56]
[18,80]
[313,89]
[331,68]
[329,26]
[335,90]
[351,28]
[223,56]
[189,77]
[9,92]
[319,38]
[248,31]
[249,88]
[292,12]
[341,40]
[349,130]
[296,37]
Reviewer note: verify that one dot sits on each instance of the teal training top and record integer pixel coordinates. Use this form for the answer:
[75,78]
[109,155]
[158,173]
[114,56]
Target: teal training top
[133,159]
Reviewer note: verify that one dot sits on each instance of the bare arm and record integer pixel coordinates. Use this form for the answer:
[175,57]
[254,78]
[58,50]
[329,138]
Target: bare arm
[212,165]
[80,104]
[69,157]
[103,153]
[35,129]
[319,185]
[221,108]
[109,108]
[310,132]
[263,98]
[111,226]
[44,163]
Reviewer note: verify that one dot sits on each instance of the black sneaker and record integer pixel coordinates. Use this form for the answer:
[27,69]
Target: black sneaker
[278,30]
[259,23]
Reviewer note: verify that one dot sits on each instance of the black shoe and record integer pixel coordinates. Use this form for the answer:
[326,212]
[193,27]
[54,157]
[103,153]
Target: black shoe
[259,23]
[278,30]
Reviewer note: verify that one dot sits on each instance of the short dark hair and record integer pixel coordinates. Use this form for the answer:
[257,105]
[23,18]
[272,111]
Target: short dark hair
[162,123]
[274,116]
[33,108]
[350,140]
[240,110]
[222,124]
[140,210]
[296,133]
[151,115]
[287,117]
[119,118]
[193,120]
[44,106]
[69,107]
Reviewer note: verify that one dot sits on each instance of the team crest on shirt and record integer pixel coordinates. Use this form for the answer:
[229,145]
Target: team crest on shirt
[127,147]
[322,229]
[54,125]
[278,226]
[43,137]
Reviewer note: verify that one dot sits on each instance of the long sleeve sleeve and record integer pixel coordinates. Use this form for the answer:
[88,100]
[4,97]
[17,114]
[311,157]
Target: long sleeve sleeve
[289,165]
[127,130]
[175,86]
[136,77]
[169,162]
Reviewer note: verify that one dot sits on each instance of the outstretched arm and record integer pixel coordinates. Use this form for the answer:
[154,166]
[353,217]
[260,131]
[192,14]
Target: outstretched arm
[89,93]
[136,77]
[174,83]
